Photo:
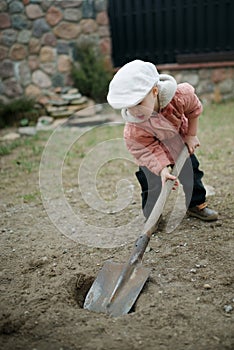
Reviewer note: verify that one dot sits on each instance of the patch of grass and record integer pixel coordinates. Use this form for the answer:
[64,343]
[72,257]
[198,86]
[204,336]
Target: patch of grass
[4,150]
[29,157]
[24,164]
[213,155]
[8,147]
[23,156]
[32,142]
[217,115]
[93,137]
[103,133]
[216,127]
[31,197]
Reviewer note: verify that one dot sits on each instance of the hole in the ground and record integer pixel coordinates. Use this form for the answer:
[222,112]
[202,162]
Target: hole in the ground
[81,287]
[82,283]
[141,300]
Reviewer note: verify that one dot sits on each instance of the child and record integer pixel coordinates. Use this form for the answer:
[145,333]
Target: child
[160,117]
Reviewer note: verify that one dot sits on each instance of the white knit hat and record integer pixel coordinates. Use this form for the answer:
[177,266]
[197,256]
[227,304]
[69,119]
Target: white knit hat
[134,81]
[131,84]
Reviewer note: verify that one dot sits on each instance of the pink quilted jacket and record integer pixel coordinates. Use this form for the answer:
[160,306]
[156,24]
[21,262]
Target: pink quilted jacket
[156,142]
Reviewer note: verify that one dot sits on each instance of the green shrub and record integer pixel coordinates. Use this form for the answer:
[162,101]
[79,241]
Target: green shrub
[91,76]
[13,112]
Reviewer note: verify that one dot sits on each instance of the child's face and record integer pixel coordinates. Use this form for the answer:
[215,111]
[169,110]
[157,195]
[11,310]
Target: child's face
[145,108]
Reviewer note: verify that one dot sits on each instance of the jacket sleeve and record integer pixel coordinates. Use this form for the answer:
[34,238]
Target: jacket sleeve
[146,149]
[192,106]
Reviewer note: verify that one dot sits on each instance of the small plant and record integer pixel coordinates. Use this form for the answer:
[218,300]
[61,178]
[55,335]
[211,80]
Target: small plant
[31,197]
[91,76]
[7,148]
[13,112]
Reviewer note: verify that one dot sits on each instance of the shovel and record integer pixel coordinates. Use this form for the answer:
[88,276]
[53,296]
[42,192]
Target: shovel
[117,285]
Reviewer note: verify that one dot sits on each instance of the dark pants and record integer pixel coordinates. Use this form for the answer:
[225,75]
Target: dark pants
[190,177]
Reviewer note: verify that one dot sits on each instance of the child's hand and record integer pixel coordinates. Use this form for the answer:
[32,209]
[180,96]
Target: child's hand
[192,142]
[166,175]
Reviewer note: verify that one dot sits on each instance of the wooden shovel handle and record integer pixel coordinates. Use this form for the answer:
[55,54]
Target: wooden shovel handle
[149,227]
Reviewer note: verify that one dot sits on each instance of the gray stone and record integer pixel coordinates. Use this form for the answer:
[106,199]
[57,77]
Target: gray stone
[88,10]
[178,77]
[228,308]
[49,39]
[16,6]
[34,45]
[62,47]
[24,36]
[69,3]
[10,136]
[210,191]
[191,78]
[5,20]
[34,11]
[58,103]
[19,21]
[27,131]
[41,79]
[89,39]
[12,88]
[67,30]
[74,15]
[40,27]
[226,86]
[72,91]
[64,113]
[24,73]
[44,123]
[70,97]
[57,80]
[65,89]
[45,4]
[100,5]
[48,67]
[45,120]
[207,286]
[104,31]
[9,37]
[3,5]
[6,69]
[79,101]
[205,87]
[204,73]
[229,96]
[18,52]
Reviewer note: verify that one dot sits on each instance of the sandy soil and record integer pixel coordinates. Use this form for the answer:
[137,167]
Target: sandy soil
[187,301]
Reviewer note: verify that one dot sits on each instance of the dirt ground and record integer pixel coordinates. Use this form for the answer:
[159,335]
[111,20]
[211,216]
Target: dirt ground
[188,301]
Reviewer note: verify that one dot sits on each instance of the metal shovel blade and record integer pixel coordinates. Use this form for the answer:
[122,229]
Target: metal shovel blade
[99,295]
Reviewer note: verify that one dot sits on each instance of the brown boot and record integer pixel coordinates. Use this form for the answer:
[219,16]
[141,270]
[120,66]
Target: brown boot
[202,212]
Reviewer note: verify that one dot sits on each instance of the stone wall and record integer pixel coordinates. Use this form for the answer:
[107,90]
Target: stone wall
[38,40]
[213,82]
